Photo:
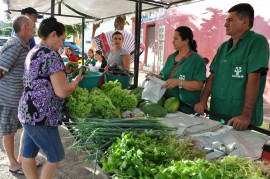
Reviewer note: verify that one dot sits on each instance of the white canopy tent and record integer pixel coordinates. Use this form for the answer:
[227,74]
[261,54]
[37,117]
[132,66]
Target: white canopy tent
[78,12]
[90,9]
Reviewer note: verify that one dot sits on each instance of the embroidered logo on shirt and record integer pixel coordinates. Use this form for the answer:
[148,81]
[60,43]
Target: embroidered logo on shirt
[182,77]
[237,71]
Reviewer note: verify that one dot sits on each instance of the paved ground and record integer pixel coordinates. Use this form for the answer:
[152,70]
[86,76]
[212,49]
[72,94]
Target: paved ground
[68,169]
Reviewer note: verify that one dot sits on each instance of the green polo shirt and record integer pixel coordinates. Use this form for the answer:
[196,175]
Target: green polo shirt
[192,68]
[91,61]
[231,67]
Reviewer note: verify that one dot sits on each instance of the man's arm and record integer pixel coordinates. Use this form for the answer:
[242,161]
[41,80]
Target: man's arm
[252,89]
[1,73]
[207,91]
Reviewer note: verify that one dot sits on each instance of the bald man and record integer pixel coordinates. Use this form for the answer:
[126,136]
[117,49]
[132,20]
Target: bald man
[12,57]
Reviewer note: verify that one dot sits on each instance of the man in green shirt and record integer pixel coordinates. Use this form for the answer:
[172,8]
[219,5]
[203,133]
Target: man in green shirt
[238,72]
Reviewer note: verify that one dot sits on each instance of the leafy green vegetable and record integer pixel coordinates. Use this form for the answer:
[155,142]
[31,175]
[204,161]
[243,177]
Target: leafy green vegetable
[231,167]
[78,103]
[122,99]
[139,156]
[108,86]
[73,65]
[102,105]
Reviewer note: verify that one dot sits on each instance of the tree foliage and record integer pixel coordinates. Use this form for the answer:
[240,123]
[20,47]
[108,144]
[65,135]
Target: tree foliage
[5,29]
[73,30]
[120,22]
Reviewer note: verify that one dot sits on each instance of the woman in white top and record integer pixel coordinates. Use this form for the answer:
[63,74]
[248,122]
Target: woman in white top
[101,61]
[118,54]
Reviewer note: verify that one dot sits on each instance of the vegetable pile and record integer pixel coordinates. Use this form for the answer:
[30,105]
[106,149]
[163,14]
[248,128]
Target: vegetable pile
[115,69]
[144,156]
[79,103]
[105,103]
[140,155]
[97,135]
[230,167]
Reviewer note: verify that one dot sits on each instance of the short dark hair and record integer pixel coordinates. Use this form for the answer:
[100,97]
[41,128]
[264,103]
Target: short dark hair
[49,25]
[30,10]
[244,10]
[117,33]
[186,33]
[19,21]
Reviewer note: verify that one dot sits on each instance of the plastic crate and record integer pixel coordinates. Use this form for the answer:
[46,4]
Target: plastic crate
[124,80]
[90,80]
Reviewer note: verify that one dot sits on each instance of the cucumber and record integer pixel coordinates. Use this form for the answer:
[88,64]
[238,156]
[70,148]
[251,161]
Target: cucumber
[154,110]
[73,65]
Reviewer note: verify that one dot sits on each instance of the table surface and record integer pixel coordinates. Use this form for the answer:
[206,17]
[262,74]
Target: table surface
[218,139]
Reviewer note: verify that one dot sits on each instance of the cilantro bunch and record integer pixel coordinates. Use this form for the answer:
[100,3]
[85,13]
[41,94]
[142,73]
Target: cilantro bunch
[139,156]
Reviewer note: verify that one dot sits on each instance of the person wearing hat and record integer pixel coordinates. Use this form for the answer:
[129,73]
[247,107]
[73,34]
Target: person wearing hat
[33,15]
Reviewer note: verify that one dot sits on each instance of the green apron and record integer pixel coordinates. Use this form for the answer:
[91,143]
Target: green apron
[192,68]
[231,67]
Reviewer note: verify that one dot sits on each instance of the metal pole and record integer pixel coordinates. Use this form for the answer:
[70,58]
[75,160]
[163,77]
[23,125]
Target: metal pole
[59,8]
[52,8]
[83,24]
[137,42]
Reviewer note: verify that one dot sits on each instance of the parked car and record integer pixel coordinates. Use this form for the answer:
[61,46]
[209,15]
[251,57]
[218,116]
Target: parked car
[75,48]
[3,41]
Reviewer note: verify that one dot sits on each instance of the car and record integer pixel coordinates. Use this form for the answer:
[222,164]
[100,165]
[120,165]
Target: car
[3,41]
[75,48]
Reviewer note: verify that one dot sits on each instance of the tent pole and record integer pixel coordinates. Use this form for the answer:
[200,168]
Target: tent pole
[137,41]
[52,8]
[59,8]
[83,24]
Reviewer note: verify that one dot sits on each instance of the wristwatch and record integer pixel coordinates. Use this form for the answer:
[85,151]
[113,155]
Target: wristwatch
[181,84]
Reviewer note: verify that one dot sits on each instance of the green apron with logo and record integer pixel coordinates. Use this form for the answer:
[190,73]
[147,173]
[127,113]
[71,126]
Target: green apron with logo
[193,68]
[231,67]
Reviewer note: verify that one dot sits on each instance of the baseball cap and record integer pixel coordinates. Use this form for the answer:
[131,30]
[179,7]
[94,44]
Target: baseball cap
[30,10]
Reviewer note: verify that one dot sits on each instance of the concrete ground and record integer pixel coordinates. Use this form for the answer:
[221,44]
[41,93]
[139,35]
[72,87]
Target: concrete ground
[68,169]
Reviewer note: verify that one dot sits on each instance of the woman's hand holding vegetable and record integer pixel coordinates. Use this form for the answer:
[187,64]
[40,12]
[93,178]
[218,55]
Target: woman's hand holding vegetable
[79,77]
[69,69]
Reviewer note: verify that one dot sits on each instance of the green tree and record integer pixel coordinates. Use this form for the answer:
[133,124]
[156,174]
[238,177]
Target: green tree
[120,22]
[73,31]
[5,28]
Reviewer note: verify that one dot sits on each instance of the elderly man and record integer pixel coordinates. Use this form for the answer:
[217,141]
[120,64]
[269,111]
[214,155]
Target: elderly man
[12,57]
[33,15]
[238,72]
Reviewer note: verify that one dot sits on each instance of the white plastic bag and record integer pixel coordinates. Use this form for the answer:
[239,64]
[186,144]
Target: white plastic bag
[152,89]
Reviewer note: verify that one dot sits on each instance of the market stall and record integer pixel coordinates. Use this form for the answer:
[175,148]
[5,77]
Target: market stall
[130,134]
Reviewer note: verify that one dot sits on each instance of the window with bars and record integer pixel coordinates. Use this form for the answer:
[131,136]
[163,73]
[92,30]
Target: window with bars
[161,44]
